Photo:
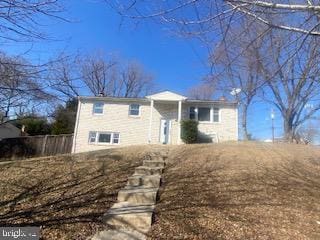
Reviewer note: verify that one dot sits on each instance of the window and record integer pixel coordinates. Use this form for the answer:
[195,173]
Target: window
[192,113]
[98,108]
[204,114]
[104,138]
[134,110]
[92,137]
[216,114]
[116,137]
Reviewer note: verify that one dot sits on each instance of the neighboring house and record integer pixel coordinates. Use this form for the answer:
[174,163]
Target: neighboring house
[104,122]
[8,130]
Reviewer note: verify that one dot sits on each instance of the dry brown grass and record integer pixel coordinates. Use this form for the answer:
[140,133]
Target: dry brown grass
[65,195]
[240,191]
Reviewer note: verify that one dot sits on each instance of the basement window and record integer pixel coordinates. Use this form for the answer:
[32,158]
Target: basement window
[104,137]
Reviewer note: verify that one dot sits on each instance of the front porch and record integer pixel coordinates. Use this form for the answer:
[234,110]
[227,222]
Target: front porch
[165,118]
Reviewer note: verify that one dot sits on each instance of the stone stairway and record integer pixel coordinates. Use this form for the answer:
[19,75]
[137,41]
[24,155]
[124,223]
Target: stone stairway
[131,217]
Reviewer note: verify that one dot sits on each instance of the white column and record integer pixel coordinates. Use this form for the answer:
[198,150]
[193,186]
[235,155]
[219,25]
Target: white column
[150,121]
[179,121]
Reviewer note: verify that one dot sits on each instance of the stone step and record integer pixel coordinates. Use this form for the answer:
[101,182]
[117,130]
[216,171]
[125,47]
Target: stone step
[119,234]
[154,163]
[158,157]
[133,216]
[138,195]
[143,170]
[144,180]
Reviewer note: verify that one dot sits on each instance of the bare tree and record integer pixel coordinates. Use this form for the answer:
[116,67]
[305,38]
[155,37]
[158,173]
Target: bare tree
[133,81]
[292,83]
[240,77]
[65,78]
[202,91]
[114,78]
[200,16]
[19,86]
[20,19]
[97,74]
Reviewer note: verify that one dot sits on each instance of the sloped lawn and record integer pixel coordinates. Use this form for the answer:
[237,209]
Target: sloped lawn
[65,195]
[240,191]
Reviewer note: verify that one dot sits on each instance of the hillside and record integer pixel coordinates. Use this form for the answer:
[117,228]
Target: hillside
[240,191]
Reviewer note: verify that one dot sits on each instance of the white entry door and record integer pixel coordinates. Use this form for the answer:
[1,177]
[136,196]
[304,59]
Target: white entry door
[165,131]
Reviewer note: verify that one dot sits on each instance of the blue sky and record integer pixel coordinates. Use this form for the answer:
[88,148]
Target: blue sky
[176,63]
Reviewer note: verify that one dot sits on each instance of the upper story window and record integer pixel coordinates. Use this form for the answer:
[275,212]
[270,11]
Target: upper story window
[98,108]
[134,110]
[205,114]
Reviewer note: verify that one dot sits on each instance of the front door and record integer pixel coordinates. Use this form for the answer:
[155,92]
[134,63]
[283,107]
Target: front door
[164,131]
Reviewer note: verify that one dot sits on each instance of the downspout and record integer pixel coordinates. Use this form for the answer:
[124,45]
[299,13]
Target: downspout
[75,132]
[150,121]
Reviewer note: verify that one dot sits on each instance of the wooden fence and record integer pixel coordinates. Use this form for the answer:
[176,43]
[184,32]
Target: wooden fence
[34,146]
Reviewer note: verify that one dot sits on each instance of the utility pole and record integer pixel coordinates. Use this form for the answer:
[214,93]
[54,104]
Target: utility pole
[272,124]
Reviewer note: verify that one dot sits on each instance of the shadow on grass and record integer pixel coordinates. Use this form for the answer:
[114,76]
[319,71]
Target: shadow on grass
[66,198]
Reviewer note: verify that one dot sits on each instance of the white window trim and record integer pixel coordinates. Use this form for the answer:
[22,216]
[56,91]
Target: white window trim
[211,113]
[103,143]
[93,108]
[134,116]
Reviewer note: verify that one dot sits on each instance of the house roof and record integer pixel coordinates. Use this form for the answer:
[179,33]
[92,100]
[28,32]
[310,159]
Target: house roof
[161,96]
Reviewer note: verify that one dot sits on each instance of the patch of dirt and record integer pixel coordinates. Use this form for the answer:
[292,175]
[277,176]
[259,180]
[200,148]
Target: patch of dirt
[65,195]
[240,191]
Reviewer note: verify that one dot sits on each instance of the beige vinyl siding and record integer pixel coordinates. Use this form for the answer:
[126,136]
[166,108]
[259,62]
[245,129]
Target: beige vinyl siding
[134,130]
[227,127]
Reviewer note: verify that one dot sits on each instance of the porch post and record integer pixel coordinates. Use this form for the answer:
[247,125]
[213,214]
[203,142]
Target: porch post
[150,121]
[179,121]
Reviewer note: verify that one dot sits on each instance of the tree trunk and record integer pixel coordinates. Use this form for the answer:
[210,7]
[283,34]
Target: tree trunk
[244,122]
[288,129]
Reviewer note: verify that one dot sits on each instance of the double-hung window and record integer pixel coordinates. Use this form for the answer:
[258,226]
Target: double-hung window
[134,110]
[104,137]
[98,108]
[216,114]
[192,113]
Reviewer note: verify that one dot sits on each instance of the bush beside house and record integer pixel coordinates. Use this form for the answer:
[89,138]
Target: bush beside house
[189,131]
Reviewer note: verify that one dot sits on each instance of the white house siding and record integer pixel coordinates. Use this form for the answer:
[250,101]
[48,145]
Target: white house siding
[226,129]
[115,118]
[135,130]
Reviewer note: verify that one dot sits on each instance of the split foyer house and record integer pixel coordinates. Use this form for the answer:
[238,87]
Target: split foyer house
[104,122]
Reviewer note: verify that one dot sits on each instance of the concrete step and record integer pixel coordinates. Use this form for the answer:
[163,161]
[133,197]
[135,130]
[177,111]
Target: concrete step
[128,215]
[158,158]
[144,180]
[143,170]
[138,195]
[154,163]
[119,234]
